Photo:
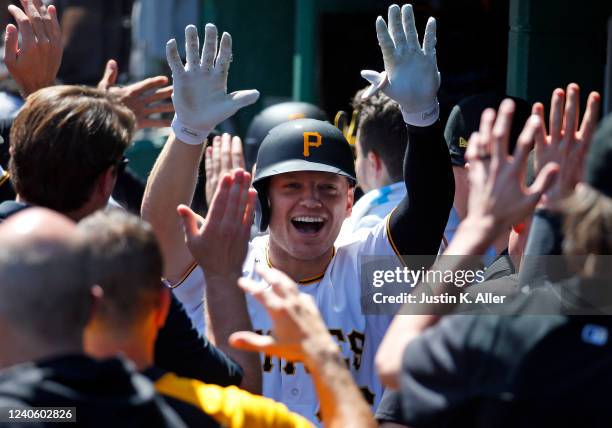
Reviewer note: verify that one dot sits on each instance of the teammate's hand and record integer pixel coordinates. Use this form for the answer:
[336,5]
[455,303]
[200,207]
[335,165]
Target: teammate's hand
[144,98]
[223,156]
[566,145]
[34,64]
[220,244]
[200,93]
[498,198]
[411,74]
[298,330]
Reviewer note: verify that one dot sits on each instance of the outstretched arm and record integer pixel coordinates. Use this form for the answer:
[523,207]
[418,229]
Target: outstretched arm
[497,200]
[412,79]
[565,144]
[201,102]
[299,334]
[220,246]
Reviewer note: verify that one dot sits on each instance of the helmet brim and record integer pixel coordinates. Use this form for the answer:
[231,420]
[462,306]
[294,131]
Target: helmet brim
[298,165]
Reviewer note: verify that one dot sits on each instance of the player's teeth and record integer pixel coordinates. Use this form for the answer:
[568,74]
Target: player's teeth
[309,219]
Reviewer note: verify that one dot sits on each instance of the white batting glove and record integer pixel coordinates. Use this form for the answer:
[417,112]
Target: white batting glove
[411,74]
[200,93]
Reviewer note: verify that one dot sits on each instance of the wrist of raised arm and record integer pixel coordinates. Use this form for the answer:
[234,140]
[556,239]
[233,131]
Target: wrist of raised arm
[424,117]
[322,354]
[188,134]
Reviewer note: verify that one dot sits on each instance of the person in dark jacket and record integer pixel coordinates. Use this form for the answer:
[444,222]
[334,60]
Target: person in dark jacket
[44,267]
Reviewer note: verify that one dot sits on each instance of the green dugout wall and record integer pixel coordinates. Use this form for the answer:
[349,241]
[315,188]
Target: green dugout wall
[555,42]
[313,50]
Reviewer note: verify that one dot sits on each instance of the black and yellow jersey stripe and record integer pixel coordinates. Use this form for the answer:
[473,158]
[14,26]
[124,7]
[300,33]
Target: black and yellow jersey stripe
[221,406]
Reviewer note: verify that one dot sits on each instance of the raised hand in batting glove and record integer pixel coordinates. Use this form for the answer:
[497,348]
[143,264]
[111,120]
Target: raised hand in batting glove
[411,74]
[200,93]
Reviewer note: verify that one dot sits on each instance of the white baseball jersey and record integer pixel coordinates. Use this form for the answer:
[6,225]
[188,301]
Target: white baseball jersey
[337,294]
[371,209]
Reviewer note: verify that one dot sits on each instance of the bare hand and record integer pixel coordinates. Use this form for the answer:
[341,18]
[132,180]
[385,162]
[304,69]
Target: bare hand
[498,198]
[144,98]
[223,156]
[220,244]
[34,64]
[565,145]
[298,329]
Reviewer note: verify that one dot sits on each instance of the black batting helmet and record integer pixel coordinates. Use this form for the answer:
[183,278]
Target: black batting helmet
[273,116]
[301,145]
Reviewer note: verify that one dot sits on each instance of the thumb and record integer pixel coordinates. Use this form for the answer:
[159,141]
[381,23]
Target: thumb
[249,341]
[11,44]
[377,81]
[190,220]
[110,75]
[244,98]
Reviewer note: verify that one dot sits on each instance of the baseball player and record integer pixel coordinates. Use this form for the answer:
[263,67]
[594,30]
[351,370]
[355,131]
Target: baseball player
[305,181]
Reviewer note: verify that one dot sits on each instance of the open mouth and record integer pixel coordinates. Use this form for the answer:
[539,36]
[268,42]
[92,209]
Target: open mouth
[308,224]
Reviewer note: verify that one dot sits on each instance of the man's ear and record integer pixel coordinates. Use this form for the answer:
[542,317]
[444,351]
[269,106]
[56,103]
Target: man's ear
[350,200]
[164,307]
[374,162]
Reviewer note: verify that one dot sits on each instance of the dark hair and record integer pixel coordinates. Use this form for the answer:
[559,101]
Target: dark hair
[127,264]
[63,138]
[382,130]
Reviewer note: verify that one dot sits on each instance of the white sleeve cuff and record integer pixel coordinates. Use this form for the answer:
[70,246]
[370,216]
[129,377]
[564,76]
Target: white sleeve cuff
[188,135]
[423,118]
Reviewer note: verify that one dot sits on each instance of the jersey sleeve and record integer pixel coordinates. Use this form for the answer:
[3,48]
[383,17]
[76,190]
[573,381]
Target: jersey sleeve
[230,406]
[416,226]
[190,292]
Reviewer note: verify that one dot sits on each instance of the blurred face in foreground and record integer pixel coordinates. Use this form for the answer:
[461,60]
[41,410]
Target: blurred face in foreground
[307,211]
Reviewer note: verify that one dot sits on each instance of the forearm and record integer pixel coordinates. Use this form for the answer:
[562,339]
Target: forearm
[417,225]
[172,182]
[342,404]
[470,241]
[221,295]
[403,329]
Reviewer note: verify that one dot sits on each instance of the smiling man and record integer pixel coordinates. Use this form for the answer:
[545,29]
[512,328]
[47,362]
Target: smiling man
[305,182]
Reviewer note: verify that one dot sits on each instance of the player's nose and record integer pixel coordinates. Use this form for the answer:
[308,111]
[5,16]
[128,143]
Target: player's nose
[310,197]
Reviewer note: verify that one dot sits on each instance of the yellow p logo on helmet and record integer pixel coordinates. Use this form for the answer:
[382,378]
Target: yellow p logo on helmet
[311,139]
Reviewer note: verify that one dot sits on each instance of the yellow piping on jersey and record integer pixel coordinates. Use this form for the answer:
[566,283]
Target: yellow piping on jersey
[395,250]
[183,277]
[229,406]
[305,281]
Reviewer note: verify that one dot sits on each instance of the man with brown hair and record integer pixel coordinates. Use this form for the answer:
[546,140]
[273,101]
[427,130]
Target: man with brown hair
[67,147]
[379,160]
